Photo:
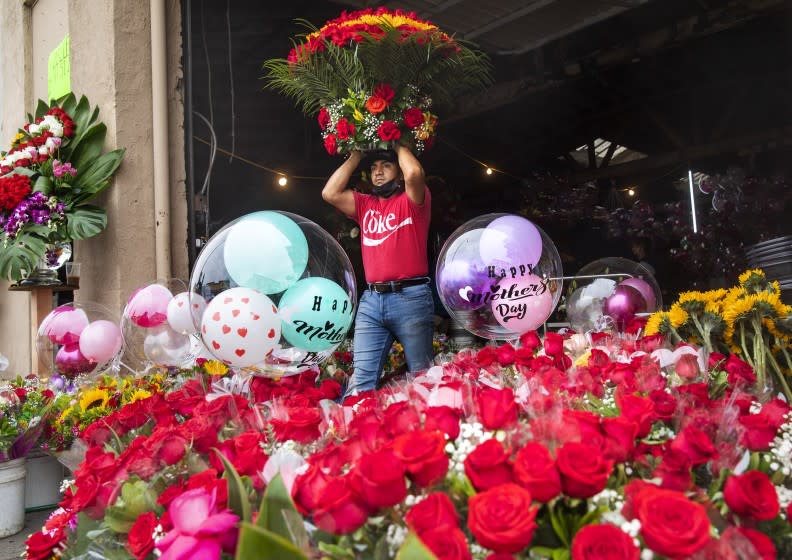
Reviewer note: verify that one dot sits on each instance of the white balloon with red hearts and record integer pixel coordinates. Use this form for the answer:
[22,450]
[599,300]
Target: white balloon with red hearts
[241,327]
[181,310]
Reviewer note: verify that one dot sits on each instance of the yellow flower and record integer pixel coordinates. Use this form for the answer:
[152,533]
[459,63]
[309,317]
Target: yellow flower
[745,276]
[583,358]
[94,398]
[65,414]
[215,367]
[654,323]
[739,308]
[138,395]
[358,116]
[677,315]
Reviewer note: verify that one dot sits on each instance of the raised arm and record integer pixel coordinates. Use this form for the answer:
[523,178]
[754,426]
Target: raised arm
[335,191]
[414,183]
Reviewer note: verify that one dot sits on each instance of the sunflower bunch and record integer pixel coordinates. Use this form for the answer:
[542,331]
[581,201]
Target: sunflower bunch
[748,319]
[73,412]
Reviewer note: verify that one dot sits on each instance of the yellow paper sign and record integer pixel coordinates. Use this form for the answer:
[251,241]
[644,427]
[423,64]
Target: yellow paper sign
[59,71]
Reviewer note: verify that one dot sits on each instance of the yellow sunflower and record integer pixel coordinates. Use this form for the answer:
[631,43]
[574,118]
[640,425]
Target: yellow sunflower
[215,367]
[654,323]
[138,395]
[65,414]
[746,276]
[677,315]
[94,398]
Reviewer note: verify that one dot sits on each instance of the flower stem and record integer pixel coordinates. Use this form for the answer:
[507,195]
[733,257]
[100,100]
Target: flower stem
[744,346]
[781,378]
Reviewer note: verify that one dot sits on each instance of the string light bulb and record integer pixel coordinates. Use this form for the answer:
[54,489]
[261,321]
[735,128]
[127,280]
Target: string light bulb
[631,192]
[283,180]
[488,171]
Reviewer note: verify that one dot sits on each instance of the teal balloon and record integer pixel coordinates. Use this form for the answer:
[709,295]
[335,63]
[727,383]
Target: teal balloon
[315,314]
[265,251]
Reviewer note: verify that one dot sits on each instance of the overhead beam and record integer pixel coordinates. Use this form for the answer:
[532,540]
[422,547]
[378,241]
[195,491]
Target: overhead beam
[780,135]
[501,21]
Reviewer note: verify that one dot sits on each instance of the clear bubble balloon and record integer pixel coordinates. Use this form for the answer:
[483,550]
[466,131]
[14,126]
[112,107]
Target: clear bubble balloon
[147,323]
[612,287]
[276,294]
[499,275]
[79,340]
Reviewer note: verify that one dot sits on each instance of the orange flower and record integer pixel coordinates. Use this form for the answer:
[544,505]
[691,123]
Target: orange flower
[376,104]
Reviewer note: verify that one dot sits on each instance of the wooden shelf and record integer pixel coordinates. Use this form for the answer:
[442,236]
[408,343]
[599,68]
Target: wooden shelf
[33,288]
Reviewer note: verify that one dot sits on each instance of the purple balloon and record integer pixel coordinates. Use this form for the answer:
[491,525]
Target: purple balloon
[623,304]
[101,341]
[646,291]
[459,281]
[70,362]
[510,241]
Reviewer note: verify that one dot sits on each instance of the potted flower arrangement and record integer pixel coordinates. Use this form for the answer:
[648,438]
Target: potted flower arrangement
[375,76]
[53,167]
[24,406]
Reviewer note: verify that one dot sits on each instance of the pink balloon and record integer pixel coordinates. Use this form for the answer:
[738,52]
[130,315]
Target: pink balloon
[148,307]
[623,304]
[70,362]
[646,291]
[101,341]
[522,304]
[64,324]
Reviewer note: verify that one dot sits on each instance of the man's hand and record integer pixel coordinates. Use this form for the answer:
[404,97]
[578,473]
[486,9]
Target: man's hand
[414,182]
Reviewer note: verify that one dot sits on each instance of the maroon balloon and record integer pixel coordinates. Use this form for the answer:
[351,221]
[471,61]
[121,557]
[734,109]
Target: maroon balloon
[646,291]
[623,304]
[70,362]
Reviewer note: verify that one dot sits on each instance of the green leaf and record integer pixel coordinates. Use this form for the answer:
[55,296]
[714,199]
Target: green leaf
[41,108]
[237,494]
[21,254]
[335,551]
[558,521]
[95,177]
[256,542]
[22,171]
[43,184]
[68,103]
[81,116]
[278,514]
[414,549]
[85,221]
[88,146]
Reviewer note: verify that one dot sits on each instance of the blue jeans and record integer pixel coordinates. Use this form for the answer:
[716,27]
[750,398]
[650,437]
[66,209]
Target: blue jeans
[407,316]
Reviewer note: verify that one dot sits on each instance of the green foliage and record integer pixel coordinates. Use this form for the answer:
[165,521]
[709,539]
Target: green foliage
[20,255]
[414,549]
[85,221]
[237,492]
[136,499]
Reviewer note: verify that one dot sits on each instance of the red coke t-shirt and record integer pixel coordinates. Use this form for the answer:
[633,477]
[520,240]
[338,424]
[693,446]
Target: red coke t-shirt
[393,234]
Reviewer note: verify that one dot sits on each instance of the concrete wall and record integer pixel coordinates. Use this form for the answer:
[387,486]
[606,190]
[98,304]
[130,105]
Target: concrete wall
[110,64]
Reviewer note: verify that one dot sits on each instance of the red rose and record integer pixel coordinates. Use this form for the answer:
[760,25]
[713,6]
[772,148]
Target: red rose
[345,129]
[486,356]
[401,417]
[447,543]
[638,409]
[603,542]
[384,91]
[502,518]
[423,455]
[443,419]
[42,546]
[664,404]
[584,469]
[530,341]
[388,131]
[740,372]
[338,511]
[496,408]
[759,431]
[323,118]
[536,470]
[761,543]
[376,105]
[671,524]
[505,354]
[752,495]
[302,425]
[249,457]
[379,479]
[695,444]
[488,465]
[553,344]
[140,540]
[674,471]
[308,487]
[330,144]
[620,434]
[413,117]
[436,511]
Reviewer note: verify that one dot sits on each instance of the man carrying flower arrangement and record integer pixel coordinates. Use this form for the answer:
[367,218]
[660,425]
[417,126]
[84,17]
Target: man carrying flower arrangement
[394,222]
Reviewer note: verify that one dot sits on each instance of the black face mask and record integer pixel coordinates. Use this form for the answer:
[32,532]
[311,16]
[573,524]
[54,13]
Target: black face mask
[386,189]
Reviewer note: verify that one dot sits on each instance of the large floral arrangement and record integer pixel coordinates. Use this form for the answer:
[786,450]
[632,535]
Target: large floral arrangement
[748,321]
[619,447]
[373,76]
[54,166]
[24,407]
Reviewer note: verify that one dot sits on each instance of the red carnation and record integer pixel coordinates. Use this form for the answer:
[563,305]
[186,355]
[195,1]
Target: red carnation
[13,190]
[323,118]
[388,131]
[385,92]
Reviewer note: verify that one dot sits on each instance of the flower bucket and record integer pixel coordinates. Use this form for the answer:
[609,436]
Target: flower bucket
[44,477]
[12,496]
